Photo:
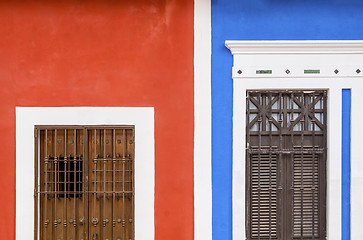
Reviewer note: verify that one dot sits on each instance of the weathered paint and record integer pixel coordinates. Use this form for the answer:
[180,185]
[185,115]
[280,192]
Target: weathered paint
[104,53]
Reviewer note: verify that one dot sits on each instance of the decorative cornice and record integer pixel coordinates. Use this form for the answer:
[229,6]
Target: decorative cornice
[296,47]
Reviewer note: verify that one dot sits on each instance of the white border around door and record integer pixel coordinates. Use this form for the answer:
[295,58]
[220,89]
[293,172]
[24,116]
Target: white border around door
[336,65]
[141,118]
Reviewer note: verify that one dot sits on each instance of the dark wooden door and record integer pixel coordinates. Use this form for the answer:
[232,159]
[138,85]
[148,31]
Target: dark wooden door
[286,164]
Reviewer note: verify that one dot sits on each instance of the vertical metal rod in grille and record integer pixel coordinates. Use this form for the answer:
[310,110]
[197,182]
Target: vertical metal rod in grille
[84,141]
[75,182]
[37,194]
[123,182]
[259,172]
[248,161]
[65,185]
[313,169]
[46,160]
[55,184]
[95,181]
[282,103]
[113,181]
[322,206]
[302,175]
[292,164]
[270,167]
[104,185]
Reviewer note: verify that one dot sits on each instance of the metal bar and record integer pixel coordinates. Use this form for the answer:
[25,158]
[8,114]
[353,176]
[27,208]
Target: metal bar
[85,162]
[322,205]
[133,186]
[313,175]
[55,184]
[302,180]
[123,183]
[114,181]
[248,168]
[292,192]
[279,193]
[248,118]
[65,186]
[286,151]
[81,192]
[306,114]
[270,170]
[95,180]
[284,108]
[260,121]
[75,180]
[46,161]
[104,185]
[264,104]
[36,187]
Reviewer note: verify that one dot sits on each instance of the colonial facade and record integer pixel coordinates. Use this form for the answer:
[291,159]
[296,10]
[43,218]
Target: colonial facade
[178,119]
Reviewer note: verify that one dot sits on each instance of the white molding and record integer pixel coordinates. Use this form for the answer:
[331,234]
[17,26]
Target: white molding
[293,47]
[297,56]
[202,121]
[289,70]
[142,118]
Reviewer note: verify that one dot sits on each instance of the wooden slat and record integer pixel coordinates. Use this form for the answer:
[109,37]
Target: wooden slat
[309,188]
[263,196]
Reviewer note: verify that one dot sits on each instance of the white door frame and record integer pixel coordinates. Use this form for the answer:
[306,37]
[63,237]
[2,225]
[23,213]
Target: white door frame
[332,65]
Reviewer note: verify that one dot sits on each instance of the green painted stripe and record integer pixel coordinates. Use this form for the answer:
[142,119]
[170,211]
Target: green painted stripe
[263,71]
[312,71]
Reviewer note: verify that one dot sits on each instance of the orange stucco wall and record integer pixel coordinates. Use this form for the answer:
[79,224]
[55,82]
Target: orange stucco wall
[104,53]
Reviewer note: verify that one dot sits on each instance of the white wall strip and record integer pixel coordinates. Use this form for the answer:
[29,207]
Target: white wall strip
[356,207]
[202,121]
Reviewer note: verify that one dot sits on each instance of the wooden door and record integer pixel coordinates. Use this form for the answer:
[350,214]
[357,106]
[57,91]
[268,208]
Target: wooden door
[86,182]
[286,164]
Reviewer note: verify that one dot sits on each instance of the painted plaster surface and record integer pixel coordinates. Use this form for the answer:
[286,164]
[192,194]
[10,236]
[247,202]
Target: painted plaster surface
[104,54]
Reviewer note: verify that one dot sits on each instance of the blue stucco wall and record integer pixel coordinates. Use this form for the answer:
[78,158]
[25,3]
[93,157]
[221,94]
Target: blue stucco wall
[262,20]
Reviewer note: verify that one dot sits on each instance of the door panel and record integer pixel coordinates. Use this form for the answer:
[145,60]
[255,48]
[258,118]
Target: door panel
[286,154]
[86,182]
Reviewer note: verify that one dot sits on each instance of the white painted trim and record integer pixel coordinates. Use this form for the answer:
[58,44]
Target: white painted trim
[293,47]
[142,118]
[326,55]
[202,121]
[297,71]
[356,207]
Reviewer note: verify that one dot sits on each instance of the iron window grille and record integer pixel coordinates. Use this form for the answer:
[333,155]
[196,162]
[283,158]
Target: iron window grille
[85,182]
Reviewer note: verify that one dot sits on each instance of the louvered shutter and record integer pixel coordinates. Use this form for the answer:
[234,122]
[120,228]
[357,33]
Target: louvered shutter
[305,200]
[286,154]
[263,196]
